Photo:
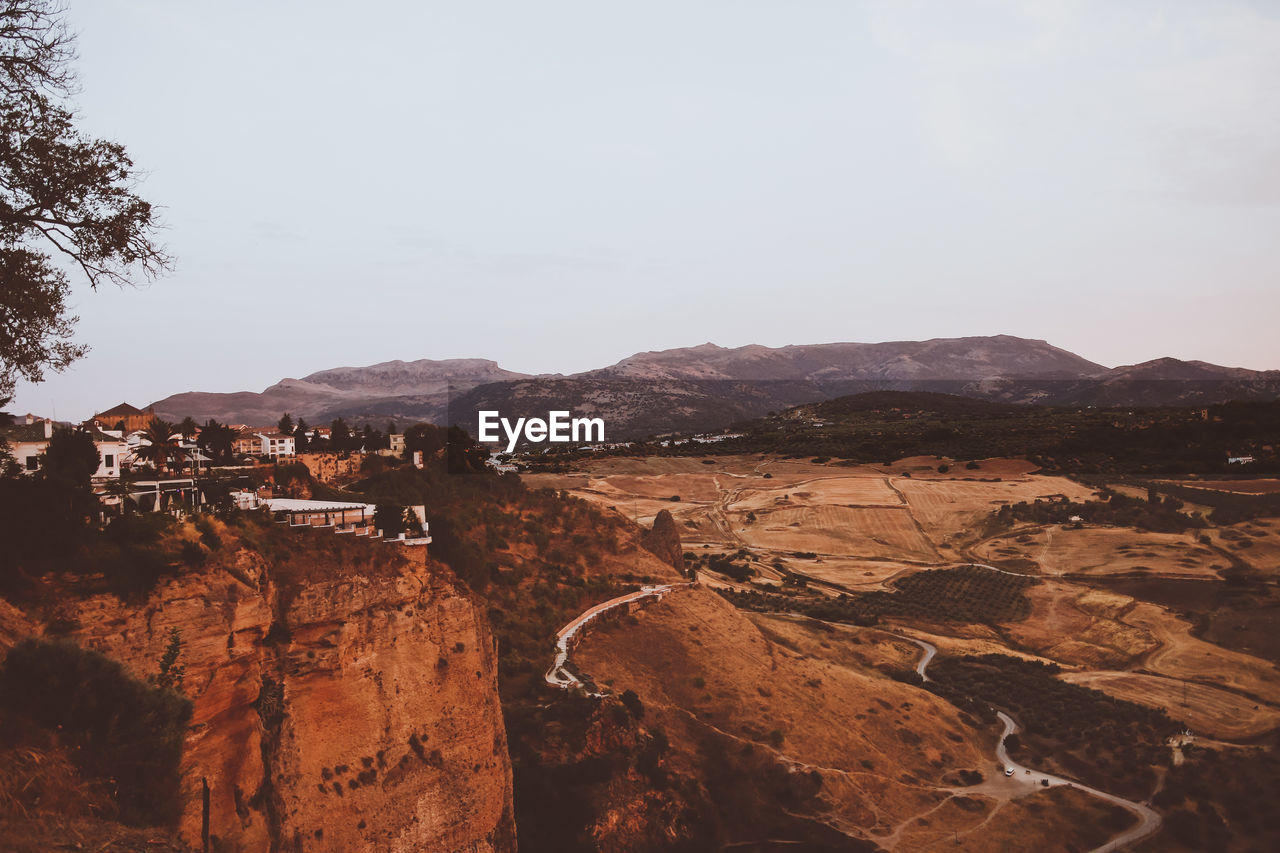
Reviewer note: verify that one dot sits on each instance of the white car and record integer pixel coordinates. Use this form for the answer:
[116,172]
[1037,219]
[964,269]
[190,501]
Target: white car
[1008,771]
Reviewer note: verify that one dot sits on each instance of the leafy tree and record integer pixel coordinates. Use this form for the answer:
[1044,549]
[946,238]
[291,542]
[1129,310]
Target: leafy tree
[188,427]
[425,437]
[217,440]
[389,517]
[61,193]
[412,526]
[70,459]
[300,435]
[340,434]
[286,424]
[633,703]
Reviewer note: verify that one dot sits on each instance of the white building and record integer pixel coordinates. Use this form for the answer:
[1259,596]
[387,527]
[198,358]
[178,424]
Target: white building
[276,444]
[28,439]
[111,456]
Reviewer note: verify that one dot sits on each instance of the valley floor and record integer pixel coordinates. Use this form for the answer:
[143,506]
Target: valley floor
[1119,610]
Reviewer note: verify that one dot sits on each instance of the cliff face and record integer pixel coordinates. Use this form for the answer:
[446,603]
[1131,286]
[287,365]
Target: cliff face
[663,540]
[349,712]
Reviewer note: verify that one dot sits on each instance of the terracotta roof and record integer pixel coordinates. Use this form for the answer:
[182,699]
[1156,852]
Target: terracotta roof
[122,410]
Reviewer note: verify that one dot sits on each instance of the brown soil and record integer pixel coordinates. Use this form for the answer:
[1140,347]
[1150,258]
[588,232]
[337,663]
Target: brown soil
[1254,632]
[1181,655]
[1057,818]
[880,746]
[1206,710]
[1104,551]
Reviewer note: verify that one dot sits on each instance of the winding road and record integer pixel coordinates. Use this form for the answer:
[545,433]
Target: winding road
[559,674]
[1148,819]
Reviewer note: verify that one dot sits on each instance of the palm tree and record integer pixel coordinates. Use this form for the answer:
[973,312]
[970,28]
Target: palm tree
[160,446]
[188,427]
[119,488]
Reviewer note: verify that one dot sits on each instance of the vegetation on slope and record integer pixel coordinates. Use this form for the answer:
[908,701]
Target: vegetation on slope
[1085,734]
[117,729]
[1221,800]
[1155,514]
[964,594]
[883,426]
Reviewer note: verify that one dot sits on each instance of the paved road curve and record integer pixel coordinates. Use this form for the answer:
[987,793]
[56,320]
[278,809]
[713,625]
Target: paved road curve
[1148,819]
[559,675]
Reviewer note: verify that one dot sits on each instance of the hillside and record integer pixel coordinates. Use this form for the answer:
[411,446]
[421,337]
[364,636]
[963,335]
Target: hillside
[417,388]
[708,386]
[965,359]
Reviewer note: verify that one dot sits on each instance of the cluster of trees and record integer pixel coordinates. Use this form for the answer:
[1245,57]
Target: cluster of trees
[44,517]
[1227,507]
[880,426]
[964,594]
[736,565]
[533,554]
[1157,514]
[1103,741]
[1222,800]
[343,437]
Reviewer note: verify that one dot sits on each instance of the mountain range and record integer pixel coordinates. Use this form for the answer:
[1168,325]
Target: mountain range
[708,386]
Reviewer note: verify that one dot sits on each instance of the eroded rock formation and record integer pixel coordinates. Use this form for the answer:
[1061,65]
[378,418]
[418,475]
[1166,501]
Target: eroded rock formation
[663,541]
[353,712]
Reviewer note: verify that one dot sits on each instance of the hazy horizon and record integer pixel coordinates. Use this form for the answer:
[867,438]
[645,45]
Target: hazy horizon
[557,188]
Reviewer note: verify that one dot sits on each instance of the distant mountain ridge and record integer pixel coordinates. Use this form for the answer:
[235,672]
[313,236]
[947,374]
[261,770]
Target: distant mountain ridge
[939,359]
[709,386]
[326,394]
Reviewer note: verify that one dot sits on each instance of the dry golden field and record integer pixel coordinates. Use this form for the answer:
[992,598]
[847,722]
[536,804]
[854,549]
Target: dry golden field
[825,698]
[862,527]
[1062,549]
[1181,655]
[1255,543]
[1206,710]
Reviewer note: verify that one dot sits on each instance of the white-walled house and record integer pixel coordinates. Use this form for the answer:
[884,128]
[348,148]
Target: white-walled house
[28,438]
[111,456]
[275,444]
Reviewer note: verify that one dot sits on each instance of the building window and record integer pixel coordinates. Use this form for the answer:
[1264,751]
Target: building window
[109,460]
[33,463]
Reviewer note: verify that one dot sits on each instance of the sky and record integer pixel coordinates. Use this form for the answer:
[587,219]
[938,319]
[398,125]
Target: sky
[558,185]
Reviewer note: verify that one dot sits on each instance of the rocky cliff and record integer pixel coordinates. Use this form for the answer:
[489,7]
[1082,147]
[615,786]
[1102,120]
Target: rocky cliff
[339,705]
[663,540]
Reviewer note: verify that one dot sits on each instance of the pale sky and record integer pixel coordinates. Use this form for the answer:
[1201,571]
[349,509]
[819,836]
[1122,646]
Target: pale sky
[558,185]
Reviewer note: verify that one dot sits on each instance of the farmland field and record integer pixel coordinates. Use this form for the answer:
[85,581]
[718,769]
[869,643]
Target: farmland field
[837,568]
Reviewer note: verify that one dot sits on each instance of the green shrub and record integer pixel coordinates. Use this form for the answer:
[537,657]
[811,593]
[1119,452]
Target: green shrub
[116,726]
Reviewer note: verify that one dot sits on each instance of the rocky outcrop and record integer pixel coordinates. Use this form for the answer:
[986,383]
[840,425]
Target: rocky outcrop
[353,712]
[663,541]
